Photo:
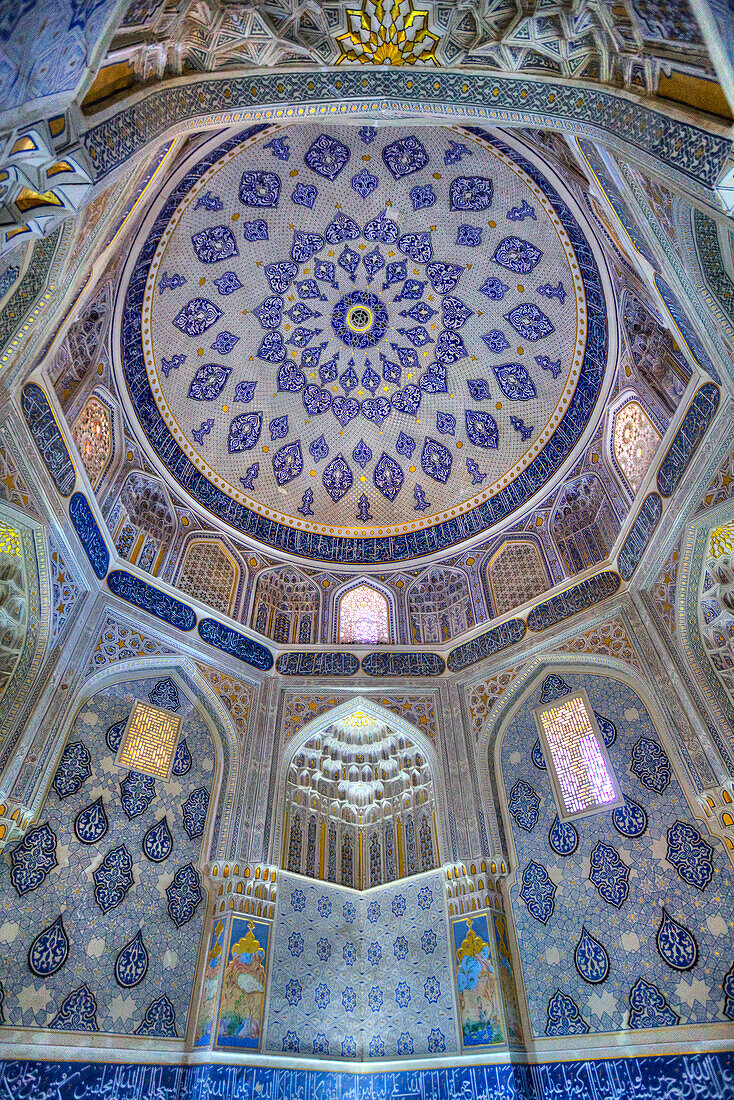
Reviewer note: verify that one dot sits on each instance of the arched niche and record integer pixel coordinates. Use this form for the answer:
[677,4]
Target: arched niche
[517,573]
[142,521]
[633,440]
[439,605]
[584,524]
[320,777]
[209,572]
[369,615]
[286,606]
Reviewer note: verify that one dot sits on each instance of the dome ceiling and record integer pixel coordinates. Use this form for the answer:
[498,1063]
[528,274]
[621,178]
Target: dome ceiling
[363,345]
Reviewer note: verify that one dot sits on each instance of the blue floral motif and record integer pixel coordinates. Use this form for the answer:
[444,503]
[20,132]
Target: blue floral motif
[554,366]
[422,197]
[165,695]
[244,432]
[536,755]
[405,156]
[327,371]
[530,322]
[278,427]
[78,1012]
[405,1043]
[137,791]
[366,338]
[259,189]
[159,1020]
[225,342]
[318,448]
[514,381]
[270,311]
[564,1017]
[370,380]
[250,474]
[204,428]
[349,999]
[361,454]
[181,759]
[520,426]
[295,944]
[305,246]
[651,765]
[563,837]
[324,907]
[337,478]
[345,409]
[444,277]
[194,812]
[416,245]
[290,379]
[676,945]
[167,365]
[455,152]
[649,1008]
[214,244]
[323,950]
[429,941]
[520,213]
[496,341]
[49,950]
[436,1041]
[728,987]
[341,229]
[377,1047]
[421,312]
[158,841]
[481,428]
[629,819]
[494,289]
[298,901]
[33,858]
[387,476]
[184,895]
[478,389]
[549,291]
[327,156]
[609,874]
[690,855]
[91,823]
[208,202]
[288,463]
[197,316]
[349,1047]
[306,501]
[113,878]
[227,283]
[398,905]
[304,194]
[364,183]
[256,230]
[291,1043]
[470,193]
[538,892]
[320,1044]
[280,275]
[405,445]
[553,687]
[279,147]
[523,805]
[349,954]
[367,134]
[470,236]
[373,261]
[477,477]
[412,289]
[445,423]
[432,989]
[322,996]
[417,336]
[375,999]
[131,964]
[436,460]
[395,272]
[373,912]
[325,270]
[425,897]
[209,381]
[517,255]
[293,992]
[400,948]
[74,768]
[606,728]
[591,959]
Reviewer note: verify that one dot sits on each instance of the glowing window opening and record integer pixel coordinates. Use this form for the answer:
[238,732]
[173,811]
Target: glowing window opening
[578,763]
[149,740]
[364,617]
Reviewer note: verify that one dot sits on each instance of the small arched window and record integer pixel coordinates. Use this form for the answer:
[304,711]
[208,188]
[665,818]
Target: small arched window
[364,617]
[92,434]
[209,574]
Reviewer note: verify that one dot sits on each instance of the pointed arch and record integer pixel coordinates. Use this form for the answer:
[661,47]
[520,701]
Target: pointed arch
[286,606]
[369,615]
[584,524]
[439,605]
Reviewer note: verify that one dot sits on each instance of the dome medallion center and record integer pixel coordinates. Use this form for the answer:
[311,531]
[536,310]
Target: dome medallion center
[359,319]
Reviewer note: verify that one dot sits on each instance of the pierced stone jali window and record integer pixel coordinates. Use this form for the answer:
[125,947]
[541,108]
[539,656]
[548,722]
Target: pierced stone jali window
[149,740]
[92,434]
[364,617]
[635,440]
[578,763]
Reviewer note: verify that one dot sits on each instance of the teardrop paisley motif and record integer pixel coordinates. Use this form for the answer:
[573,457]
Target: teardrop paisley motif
[131,965]
[114,735]
[629,819]
[563,838]
[50,950]
[182,759]
[675,943]
[606,728]
[158,842]
[591,959]
[91,823]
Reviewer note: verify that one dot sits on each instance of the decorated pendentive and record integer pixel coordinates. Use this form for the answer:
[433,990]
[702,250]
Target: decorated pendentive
[377,341]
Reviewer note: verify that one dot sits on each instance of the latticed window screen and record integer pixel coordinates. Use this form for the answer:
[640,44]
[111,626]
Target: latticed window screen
[149,740]
[516,574]
[363,616]
[208,574]
[582,775]
[635,440]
